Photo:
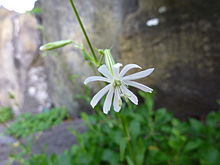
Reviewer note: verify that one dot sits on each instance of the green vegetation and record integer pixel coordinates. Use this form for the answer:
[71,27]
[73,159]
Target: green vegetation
[27,124]
[35,10]
[6,114]
[139,135]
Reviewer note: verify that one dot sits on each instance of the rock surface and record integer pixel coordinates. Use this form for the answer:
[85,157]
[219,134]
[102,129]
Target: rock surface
[22,78]
[50,141]
[179,39]
[184,49]
[54,137]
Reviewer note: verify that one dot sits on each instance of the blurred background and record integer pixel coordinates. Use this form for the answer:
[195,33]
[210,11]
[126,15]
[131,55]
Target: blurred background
[180,39]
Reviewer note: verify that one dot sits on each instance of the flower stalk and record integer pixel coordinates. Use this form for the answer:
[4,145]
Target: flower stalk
[128,136]
[83,30]
[117,87]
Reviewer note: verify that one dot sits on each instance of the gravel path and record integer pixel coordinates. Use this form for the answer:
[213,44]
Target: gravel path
[57,139]
[5,148]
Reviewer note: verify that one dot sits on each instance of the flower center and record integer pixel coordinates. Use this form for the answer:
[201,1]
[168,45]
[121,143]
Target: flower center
[117,83]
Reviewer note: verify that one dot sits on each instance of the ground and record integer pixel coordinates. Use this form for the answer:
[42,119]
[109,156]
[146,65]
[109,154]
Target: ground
[53,137]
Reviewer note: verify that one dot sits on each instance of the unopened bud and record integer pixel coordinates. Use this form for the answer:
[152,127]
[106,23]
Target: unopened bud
[55,45]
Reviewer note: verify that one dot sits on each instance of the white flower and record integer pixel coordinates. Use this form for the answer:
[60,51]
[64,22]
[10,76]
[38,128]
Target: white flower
[118,85]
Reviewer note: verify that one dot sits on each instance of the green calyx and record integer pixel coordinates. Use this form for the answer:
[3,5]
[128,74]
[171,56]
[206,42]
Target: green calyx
[109,61]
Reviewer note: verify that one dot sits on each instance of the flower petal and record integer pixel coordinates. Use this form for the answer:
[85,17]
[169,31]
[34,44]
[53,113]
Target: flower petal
[117,101]
[99,95]
[104,70]
[139,75]
[116,68]
[127,68]
[129,94]
[108,101]
[95,78]
[139,86]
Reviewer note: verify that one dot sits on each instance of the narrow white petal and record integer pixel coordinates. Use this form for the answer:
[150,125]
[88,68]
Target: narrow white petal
[129,94]
[104,70]
[139,75]
[116,68]
[128,67]
[108,101]
[99,95]
[139,86]
[117,101]
[95,78]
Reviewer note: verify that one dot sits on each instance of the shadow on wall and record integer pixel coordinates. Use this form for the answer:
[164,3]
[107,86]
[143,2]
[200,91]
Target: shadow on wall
[180,39]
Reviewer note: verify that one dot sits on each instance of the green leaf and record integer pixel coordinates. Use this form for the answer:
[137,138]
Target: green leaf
[162,116]
[135,128]
[27,124]
[6,114]
[64,159]
[110,156]
[140,149]
[191,145]
[87,56]
[213,119]
[35,10]
[196,125]
[158,157]
[130,162]
[149,103]
[210,155]
[123,145]
[176,140]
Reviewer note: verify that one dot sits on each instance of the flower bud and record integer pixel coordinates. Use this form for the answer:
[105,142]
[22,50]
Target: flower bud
[55,45]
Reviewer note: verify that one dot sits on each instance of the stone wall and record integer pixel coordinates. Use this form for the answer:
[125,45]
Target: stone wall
[23,83]
[182,44]
[59,23]
[184,48]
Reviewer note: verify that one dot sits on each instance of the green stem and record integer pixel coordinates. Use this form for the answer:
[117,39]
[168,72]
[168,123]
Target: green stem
[83,30]
[100,61]
[127,133]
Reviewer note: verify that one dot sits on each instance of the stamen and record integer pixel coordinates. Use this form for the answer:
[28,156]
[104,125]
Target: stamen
[117,83]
